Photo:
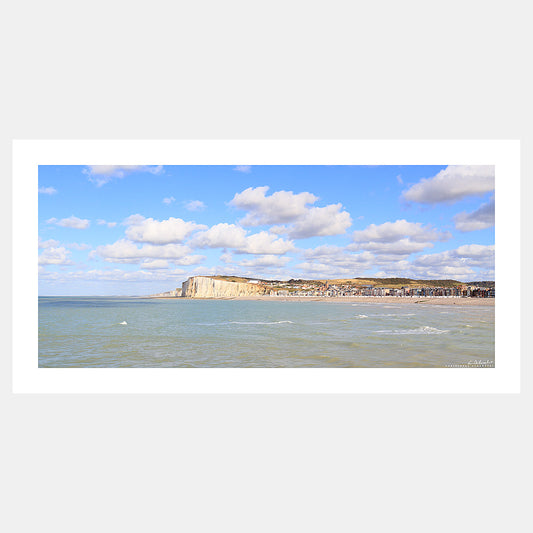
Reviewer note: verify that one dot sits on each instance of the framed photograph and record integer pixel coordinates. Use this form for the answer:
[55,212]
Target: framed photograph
[266,266]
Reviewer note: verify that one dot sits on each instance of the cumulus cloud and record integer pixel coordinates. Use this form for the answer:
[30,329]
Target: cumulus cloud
[79,246]
[475,254]
[169,200]
[102,222]
[232,236]
[452,184]
[286,207]
[172,275]
[265,243]
[47,190]
[50,243]
[278,208]
[398,238]
[400,247]
[320,222]
[394,231]
[55,256]
[172,230]
[195,205]
[463,263]
[265,261]
[70,222]
[102,174]
[155,264]
[243,168]
[220,236]
[124,251]
[334,261]
[459,263]
[481,218]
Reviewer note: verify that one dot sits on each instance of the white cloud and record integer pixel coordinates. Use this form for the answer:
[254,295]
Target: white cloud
[265,261]
[101,222]
[397,238]
[334,261]
[70,222]
[475,254]
[279,208]
[286,207]
[124,251]
[394,231]
[464,263]
[47,190]
[172,276]
[50,243]
[320,222]
[408,270]
[55,256]
[79,246]
[399,179]
[482,218]
[243,168]
[452,184]
[133,219]
[231,236]
[169,200]
[220,236]
[195,205]
[398,248]
[155,264]
[265,243]
[102,174]
[172,230]
[458,263]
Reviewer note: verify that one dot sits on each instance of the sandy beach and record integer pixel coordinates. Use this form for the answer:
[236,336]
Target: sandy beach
[451,300]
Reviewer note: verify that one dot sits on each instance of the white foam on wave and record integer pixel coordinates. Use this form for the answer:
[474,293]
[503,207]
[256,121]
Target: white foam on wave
[398,314]
[361,316]
[123,323]
[262,323]
[244,323]
[423,330]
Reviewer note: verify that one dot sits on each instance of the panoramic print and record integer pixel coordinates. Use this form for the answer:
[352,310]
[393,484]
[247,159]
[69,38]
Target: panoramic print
[266,266]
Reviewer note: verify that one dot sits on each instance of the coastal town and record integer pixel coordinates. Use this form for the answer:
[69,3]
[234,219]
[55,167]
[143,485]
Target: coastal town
[230,286]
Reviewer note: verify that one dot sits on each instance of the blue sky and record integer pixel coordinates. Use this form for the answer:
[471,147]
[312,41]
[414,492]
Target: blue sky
[131,230]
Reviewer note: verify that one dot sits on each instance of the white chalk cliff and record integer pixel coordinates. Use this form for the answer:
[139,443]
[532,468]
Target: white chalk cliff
[205,287]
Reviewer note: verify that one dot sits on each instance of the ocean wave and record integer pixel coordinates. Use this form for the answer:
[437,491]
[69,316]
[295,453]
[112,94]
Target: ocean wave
[423,330]
[262,323]
[361,316]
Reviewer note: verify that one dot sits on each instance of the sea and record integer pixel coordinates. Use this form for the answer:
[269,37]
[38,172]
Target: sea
[105,332]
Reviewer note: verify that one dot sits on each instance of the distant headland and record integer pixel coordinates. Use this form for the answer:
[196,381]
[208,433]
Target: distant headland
[225,287]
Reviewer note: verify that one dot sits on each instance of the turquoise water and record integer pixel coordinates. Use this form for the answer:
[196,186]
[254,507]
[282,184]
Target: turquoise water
[90,332]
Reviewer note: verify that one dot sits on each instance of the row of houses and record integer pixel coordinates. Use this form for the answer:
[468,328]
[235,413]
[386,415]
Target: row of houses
[349,290]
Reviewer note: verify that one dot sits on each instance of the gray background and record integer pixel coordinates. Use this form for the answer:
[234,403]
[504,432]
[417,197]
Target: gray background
[278,69]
